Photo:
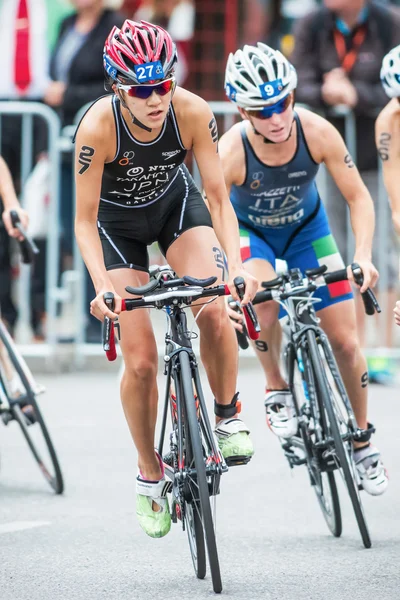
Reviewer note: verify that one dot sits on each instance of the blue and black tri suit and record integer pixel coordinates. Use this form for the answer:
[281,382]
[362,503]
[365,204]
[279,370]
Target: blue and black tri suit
[281,216]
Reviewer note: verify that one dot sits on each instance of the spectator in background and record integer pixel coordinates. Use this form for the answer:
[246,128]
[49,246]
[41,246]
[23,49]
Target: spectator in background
[338,54]
[282,15]
[177,17]
[76,67]
[77,78]
[26,34]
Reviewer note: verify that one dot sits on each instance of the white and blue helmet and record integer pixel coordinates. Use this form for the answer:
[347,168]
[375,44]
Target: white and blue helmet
[390,73]
[258,76]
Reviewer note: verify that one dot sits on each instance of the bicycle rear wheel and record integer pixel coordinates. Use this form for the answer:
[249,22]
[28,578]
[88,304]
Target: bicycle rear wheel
[36,434]
[197,479]
[342,448]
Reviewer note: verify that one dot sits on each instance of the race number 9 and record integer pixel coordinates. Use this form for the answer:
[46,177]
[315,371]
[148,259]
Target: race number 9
[269,90]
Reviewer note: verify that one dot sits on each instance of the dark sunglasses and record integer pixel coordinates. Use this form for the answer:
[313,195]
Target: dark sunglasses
[145,91]
[268,111]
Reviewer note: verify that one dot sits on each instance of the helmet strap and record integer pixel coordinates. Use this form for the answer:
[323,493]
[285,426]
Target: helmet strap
[135,121]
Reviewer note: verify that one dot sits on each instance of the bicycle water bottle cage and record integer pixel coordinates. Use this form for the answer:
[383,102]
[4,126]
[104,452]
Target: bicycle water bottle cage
[313,273]
[226,411]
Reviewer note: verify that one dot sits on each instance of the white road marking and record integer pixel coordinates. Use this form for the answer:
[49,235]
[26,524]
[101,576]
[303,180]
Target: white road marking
[21,525]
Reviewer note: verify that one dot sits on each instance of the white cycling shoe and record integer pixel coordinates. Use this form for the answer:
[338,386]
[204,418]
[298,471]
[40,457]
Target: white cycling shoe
[373,477]
[281,413]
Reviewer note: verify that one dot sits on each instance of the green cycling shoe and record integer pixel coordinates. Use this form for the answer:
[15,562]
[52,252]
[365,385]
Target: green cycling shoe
[234,441]
[152,509]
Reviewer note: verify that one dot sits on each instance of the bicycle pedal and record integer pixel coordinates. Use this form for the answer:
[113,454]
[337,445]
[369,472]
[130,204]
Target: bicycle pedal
[234,461]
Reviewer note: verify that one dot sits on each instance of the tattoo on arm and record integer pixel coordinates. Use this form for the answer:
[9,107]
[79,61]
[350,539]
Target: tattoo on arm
[212,126]
[383,145]
[219,259]
[85,158]
[364,379]
[349,161]
[261,346]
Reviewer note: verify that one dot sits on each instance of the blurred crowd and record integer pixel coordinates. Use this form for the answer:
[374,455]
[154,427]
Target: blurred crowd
[55,57]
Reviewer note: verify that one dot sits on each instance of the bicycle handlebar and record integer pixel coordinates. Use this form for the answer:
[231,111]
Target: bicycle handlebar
[370,302]
[171,289]
[27,245]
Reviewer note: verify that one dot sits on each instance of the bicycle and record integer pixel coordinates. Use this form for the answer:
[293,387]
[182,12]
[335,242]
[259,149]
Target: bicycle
[327,425]
[19,391]
[194,464]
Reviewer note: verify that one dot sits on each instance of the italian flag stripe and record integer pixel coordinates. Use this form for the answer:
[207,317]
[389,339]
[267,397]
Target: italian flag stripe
[325,246]
[327,254]
[245,253]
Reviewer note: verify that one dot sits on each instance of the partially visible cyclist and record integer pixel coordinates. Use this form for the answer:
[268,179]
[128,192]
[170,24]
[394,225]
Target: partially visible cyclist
[270,161]
[10,202]
[133,189]
[387,137]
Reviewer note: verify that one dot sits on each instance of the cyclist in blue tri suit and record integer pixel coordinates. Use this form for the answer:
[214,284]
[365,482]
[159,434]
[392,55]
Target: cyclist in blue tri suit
[270,163]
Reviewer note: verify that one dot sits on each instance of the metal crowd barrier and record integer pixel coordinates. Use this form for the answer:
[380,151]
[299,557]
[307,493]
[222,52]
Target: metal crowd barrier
[27,111]
[72,282]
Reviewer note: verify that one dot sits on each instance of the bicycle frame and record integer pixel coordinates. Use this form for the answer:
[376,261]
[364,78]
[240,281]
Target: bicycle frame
[177,340]
[303,322]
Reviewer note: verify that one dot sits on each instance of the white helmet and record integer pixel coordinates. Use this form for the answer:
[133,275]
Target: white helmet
[257,76]
[390,73]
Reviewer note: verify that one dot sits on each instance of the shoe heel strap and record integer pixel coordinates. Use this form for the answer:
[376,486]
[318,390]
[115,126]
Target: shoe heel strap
[153,489]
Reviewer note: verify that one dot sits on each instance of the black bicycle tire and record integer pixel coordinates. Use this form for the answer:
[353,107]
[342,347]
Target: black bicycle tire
[323,384]
[56,482]
[336,530]
[207,521]
[200,561]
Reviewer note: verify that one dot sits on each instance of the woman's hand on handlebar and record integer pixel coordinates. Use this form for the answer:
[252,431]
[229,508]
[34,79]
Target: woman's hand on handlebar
[251,285]
[369,272]
[99,309]
[24,218]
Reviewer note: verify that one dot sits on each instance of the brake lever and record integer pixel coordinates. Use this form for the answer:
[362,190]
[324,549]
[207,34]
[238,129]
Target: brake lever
[371,304]
[253,326]
[109,327]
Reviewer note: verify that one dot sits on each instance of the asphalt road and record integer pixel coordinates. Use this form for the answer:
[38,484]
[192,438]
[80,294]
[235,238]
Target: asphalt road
[273,542]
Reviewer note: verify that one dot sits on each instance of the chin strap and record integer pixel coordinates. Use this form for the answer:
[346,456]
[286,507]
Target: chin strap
[135,121]
[268,141]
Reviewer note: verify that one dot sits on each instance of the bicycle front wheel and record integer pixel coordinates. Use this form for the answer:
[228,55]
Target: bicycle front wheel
[342,448]
[322,481]
[36,433]
[197,478]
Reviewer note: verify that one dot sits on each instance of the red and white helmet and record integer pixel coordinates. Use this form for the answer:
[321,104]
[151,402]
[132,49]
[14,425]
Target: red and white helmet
[137,44]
